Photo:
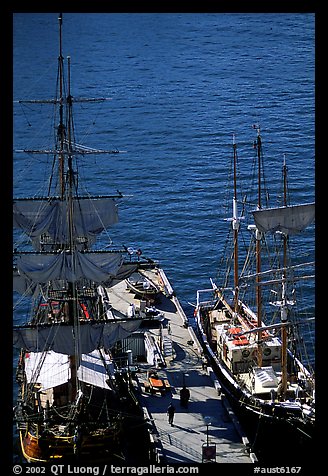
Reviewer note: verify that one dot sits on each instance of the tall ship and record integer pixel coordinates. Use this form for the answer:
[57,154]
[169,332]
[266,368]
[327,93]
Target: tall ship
[77,400]
[252,324]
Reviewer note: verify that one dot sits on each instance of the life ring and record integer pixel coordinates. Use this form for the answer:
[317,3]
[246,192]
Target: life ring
[245,353]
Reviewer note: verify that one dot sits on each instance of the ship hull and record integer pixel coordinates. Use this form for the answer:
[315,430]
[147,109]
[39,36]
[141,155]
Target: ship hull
[276,431]
[43,449]
[92,428]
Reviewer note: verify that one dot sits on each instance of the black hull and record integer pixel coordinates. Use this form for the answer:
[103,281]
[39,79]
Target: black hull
[276,434]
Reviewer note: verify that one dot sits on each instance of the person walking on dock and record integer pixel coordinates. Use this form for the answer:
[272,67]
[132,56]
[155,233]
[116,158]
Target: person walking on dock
[184,396]
[170,413]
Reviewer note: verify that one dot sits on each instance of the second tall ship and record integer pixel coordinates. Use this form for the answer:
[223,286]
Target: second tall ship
[250,325]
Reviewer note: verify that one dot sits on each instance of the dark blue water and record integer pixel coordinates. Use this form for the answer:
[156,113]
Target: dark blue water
[180,84]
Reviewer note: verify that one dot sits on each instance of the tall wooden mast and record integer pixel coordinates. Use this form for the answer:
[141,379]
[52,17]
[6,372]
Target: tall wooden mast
[73,303]
[65,139]
[61,133]
[235,222]
[258,253]
[284,299]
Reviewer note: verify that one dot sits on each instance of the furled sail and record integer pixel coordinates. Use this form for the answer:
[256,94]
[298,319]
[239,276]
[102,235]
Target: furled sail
[25,285]
[289,220]
[100,267]
[90,217]
[61,338]
[22,284]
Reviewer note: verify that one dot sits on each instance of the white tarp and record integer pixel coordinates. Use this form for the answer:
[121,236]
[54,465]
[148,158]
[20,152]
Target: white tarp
[53,372]
[92,370]
[55,369]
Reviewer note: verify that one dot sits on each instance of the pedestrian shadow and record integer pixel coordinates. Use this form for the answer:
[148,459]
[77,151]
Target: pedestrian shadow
[179,352]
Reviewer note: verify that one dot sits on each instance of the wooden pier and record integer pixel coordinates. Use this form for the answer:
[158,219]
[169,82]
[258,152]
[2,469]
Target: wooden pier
[207,430]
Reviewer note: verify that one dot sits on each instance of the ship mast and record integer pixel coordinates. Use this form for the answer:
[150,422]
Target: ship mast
[235,222]
[61,126]
[284,299]
[73,303]
[66,193]
[258,254]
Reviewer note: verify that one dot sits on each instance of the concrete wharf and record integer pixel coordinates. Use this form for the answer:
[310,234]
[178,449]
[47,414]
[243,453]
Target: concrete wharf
[208,419]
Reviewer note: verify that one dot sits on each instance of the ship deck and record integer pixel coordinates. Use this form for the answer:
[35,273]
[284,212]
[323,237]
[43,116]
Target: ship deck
[208,418]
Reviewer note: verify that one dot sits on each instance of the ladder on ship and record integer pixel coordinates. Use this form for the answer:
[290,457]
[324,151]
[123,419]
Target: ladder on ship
[167,346]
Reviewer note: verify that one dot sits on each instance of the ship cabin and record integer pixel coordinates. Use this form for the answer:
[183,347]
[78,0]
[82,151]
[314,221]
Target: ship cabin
[239,352]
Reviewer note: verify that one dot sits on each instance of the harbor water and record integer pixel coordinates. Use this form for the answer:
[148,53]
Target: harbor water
[179,86]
